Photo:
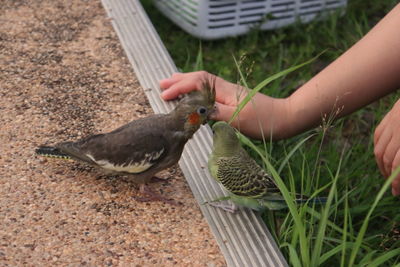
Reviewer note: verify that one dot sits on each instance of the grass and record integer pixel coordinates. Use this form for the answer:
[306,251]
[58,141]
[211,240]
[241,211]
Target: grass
[360,224]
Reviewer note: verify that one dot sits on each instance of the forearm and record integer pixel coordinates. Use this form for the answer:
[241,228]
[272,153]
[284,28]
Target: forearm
[366,72]
[262,117]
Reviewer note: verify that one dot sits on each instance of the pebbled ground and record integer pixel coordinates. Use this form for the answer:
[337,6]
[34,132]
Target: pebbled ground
[63,75]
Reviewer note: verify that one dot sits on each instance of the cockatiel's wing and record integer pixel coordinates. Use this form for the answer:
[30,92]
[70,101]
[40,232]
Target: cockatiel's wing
[145,146]
[131,148]
[242,176]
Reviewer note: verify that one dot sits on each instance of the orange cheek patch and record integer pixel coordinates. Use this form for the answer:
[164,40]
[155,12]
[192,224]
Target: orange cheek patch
[194,118]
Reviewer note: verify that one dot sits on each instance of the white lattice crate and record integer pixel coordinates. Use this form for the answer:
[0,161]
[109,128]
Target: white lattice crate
[214,19]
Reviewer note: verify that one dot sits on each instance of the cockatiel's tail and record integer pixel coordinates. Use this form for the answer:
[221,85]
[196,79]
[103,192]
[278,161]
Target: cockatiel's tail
[144,146]
[248,183]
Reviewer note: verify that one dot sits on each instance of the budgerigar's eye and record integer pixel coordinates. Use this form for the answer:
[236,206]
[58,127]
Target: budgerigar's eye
[202,110]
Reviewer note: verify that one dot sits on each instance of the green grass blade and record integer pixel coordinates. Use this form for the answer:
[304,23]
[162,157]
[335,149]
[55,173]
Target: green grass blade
[199,59]
[333,226]
[385,257]
[324,257]
[290,154]
[300,228]
[367,258]
[244,82]
[344,235]
[324,220]
[242,78]
[261,85]
[294,257]
[364,226]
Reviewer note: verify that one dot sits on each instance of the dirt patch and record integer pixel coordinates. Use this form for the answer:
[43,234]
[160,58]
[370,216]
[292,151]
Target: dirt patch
[63,75]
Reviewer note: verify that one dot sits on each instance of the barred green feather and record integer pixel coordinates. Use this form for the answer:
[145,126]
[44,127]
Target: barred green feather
[249,184]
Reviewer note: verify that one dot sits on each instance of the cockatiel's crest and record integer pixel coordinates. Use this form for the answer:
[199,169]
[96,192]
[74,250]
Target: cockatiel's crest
[205,96]
[197,105]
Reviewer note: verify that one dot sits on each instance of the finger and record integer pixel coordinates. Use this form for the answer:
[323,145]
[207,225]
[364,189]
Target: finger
[379,129]
[182,87]
[183,83]
[379,151]
[396,182]
[390,153]
[388,156]
[396,186]
[175,77]
[229,93]
[222,112]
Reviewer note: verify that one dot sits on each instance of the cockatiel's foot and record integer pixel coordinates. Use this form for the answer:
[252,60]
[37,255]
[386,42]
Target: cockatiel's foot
[232,208]
[152,196]
[156,179]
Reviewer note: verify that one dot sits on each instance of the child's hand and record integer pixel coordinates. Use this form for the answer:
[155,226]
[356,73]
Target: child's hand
[183,83]
[270,112]
[387,145]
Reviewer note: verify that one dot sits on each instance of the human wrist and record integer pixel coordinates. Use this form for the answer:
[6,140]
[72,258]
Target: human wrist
[273,115]
[282,125]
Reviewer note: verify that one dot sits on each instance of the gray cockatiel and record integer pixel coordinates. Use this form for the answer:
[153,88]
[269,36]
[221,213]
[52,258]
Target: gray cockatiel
[248,184]
[144,146]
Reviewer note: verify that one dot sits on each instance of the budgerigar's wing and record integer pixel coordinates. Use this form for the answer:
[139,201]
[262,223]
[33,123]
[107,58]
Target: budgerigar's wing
[242,176]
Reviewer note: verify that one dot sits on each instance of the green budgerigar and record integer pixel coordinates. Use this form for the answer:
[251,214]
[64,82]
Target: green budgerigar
[249,185]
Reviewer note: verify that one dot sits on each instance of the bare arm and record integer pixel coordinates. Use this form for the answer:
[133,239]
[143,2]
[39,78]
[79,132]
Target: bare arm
[366,72]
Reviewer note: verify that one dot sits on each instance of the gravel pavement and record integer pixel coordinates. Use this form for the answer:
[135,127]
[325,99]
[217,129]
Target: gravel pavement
[64,75]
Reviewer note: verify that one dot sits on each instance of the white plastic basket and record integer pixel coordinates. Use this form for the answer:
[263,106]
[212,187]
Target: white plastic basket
[214,19]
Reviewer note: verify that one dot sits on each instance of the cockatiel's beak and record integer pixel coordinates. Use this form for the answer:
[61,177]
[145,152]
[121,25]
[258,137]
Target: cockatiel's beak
[212,112]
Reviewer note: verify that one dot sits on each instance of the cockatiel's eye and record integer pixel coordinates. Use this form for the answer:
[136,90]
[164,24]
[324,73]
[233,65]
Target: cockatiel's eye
[202,110]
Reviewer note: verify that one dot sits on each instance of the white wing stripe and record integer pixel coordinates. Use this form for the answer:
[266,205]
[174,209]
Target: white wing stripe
[131,167]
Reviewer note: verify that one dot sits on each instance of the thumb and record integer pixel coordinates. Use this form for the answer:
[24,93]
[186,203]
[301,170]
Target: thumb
[222,112]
